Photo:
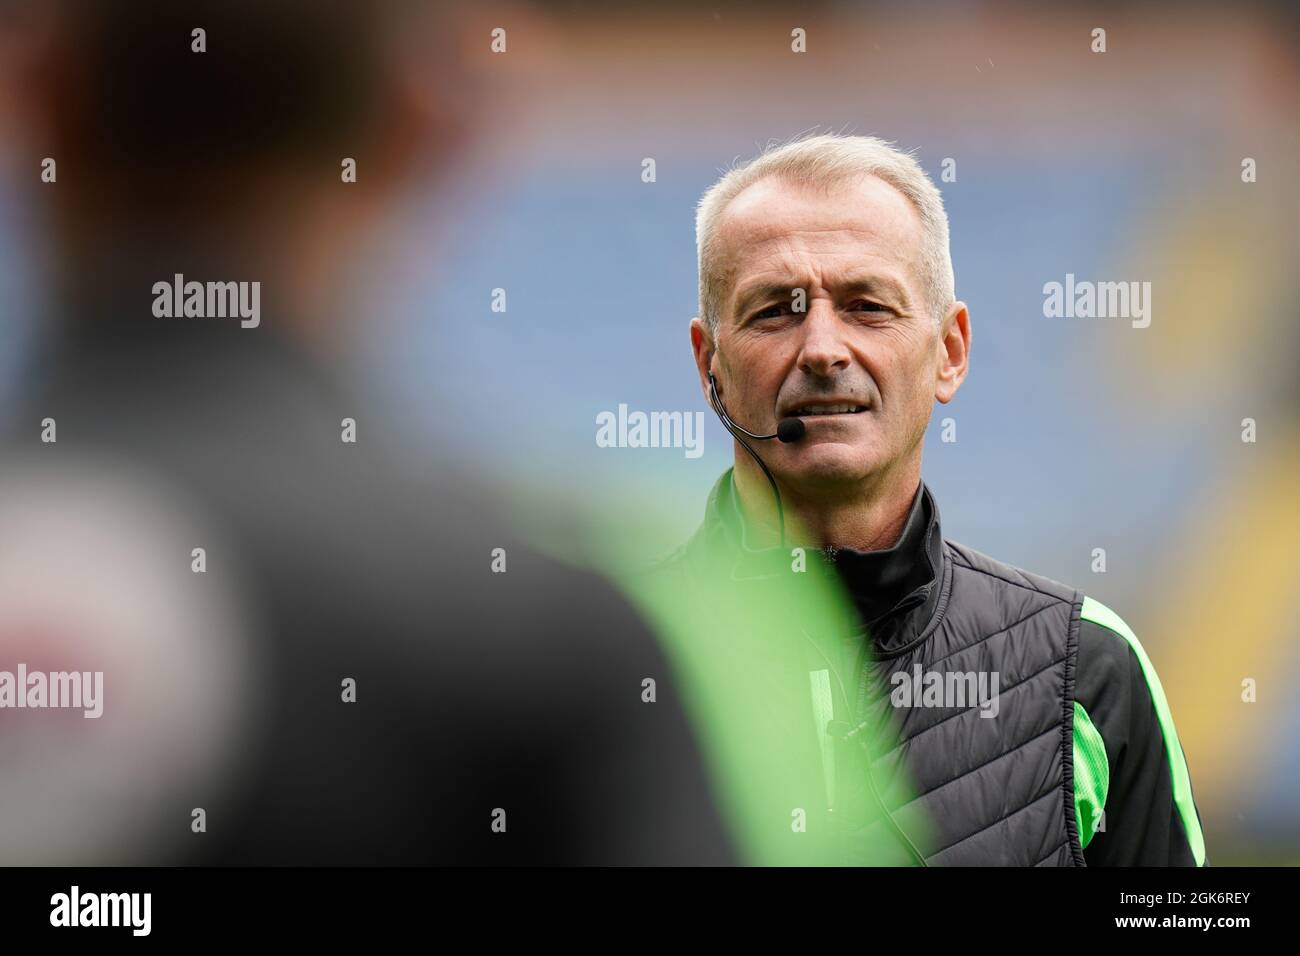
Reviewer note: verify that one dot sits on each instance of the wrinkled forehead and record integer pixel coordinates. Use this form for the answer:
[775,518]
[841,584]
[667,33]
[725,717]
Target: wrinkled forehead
[775,226]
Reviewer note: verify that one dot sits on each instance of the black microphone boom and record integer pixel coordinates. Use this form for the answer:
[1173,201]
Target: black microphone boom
[787,430]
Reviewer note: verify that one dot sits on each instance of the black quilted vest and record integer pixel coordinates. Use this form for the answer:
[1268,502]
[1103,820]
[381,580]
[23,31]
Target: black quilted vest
[905,783]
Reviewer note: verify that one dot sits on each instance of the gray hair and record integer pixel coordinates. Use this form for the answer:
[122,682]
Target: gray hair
[824,161]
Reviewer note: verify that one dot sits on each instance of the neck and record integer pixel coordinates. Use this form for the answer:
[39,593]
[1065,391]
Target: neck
[869,516]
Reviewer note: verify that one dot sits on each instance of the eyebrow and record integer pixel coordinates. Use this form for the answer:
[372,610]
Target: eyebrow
[876,285]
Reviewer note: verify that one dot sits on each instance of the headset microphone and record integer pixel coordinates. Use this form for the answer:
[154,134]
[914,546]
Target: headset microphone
[791,429]
[787,430]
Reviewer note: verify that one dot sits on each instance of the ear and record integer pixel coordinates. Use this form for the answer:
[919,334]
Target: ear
[953,352]
[703,347]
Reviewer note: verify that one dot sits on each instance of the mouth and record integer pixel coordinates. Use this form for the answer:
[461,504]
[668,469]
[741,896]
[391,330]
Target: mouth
[825,409]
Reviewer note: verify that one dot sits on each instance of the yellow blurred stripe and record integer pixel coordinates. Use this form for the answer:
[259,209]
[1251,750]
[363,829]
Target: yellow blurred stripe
[1227,613]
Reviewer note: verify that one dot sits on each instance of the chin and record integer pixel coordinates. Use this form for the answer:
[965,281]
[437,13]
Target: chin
[829,464]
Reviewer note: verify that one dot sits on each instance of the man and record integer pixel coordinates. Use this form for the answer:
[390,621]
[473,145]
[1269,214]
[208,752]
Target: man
[314,650]
[995,716]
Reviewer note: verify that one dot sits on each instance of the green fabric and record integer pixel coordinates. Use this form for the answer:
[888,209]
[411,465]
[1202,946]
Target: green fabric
[823,714]
[1091,775]
[1098,613]
[743,631]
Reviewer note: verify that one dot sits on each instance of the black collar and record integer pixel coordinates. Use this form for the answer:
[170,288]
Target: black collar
[895,590]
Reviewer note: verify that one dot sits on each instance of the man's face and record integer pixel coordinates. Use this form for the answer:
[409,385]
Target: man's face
[865,341]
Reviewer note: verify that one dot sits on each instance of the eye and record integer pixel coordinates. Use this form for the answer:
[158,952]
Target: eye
[771,312]
[867,305]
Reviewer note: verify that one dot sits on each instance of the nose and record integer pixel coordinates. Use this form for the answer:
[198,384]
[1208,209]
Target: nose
[823,351]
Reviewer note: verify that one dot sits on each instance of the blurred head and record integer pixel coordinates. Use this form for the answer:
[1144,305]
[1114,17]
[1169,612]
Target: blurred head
[827,293]
[226,162]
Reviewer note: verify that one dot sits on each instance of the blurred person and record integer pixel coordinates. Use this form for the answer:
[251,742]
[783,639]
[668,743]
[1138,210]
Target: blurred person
[997,717]
[313,650]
